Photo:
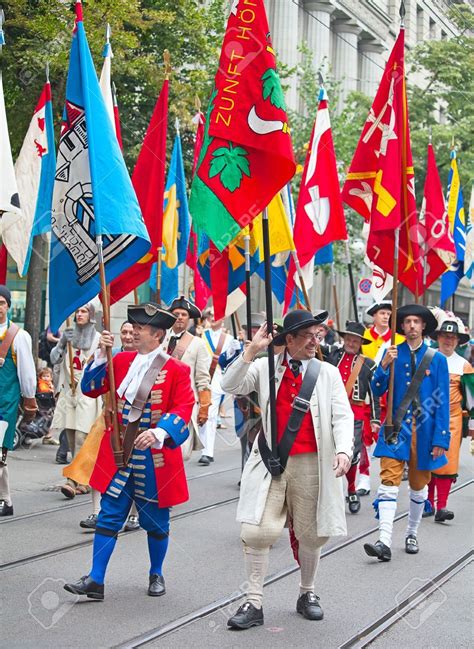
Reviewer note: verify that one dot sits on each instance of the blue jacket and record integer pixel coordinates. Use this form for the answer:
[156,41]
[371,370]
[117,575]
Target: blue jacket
[432,425]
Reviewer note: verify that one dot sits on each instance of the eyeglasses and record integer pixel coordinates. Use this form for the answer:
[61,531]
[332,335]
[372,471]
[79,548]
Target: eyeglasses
[309,336]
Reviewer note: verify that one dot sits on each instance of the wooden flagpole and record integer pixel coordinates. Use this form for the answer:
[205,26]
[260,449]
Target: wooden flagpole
[248,307]
[112,402]
[390,434]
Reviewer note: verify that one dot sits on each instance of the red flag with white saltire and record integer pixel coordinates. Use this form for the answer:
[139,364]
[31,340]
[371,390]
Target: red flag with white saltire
[380,182]
[149,183]
[435,238]
[319,213]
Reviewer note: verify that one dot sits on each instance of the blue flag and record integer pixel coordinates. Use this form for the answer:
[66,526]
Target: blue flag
[176,227]
[93,194]
[457,226]
[324,255]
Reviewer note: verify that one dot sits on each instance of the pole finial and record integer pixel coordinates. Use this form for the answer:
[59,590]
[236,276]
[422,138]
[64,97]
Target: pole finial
[2,35]
[402,11]
[197,103]
[108,33]
[46,71]
[320,79]
[176,125]
[167,62]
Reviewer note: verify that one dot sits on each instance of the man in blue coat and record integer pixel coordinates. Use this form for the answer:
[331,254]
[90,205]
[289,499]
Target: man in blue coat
[423,432]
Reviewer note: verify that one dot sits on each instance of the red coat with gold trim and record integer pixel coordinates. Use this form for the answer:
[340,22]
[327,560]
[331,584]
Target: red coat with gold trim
[169,406]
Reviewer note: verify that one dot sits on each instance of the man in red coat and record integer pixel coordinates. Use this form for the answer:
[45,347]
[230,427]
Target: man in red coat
[151,382]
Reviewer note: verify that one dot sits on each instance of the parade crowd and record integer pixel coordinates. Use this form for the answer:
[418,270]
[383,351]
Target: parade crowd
[179,376]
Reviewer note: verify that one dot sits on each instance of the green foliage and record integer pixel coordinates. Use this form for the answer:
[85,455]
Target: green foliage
[272,88]
[39,31]
[231,163]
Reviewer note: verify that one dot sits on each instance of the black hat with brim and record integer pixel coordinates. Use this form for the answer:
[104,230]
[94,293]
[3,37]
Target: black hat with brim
[378,306]
[183,303]
[355,329]
[451,327]
[150,314]
[299,319]
[421,312]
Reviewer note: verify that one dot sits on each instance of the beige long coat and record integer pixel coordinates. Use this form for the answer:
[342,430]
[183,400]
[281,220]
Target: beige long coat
[334,428]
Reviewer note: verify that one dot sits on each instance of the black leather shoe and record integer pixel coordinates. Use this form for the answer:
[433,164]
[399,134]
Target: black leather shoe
[247,616]
[354,503]
[61,458]
[204,460]
[441,515]
[5,510]
[86,586]
[132,524]
[157,586]
[411,544]
[379,550]
[308,606]
[89,523]
[363,492]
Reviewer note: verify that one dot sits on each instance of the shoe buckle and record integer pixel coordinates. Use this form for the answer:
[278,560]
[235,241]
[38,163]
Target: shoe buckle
[412,541]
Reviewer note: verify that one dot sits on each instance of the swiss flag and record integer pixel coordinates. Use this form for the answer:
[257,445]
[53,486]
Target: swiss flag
[319,213]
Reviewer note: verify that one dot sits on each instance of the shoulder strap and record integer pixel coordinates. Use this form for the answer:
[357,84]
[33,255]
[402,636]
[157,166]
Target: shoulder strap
[12,331]
[413,388]
[354,374]
[139,402]
[216,354]
[300,407]
[183,343]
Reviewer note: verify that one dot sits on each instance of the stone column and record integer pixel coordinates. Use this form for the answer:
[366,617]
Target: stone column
[345,54]
[318,34]
[284,31]
[371,67]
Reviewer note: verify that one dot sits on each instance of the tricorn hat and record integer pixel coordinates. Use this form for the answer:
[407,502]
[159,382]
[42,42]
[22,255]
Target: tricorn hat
[421,312]
[257,320]
[299,319]
[151,314]
[452,326]
[183,303]
[383,304]
[355,329]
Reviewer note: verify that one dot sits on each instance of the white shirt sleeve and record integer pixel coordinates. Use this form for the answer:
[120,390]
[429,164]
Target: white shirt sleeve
[99,359]
[161,435]
[25,363]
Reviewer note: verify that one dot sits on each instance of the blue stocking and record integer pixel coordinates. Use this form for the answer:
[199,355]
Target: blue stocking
[157,548]
[103,548]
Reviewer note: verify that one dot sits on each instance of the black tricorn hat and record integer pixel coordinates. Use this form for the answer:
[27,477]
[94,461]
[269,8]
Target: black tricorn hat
[421,312]
[451,327]
[378,306]
[299,319]
[355,329]
[151,314]
[183,303]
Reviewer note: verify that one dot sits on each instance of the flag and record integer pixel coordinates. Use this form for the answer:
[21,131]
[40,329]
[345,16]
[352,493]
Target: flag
[457,227]
[149,183]
[93,195]
[105,82]
[10,210]
[201,292]
[34,169]
[246,156]
[380,183]
[435,239]
[469,255]
[324,256]
[319,213]
[118,128]
[3,264]
[224,271]
[175,227]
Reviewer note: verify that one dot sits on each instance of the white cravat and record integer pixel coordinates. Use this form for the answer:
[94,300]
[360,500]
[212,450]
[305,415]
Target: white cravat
[136,372]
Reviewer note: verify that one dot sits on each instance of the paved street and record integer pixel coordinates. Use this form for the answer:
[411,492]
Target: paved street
[42,546]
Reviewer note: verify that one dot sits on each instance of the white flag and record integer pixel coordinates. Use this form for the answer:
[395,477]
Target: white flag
[9,198]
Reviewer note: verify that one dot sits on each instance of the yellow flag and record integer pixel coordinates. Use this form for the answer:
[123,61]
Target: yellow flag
[170,229]
[281,239]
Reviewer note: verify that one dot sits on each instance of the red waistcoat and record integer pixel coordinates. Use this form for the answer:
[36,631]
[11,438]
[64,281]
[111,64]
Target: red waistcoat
[305,441]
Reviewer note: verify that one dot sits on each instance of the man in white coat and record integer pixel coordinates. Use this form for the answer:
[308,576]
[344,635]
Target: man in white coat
[191,350]
[309,491]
